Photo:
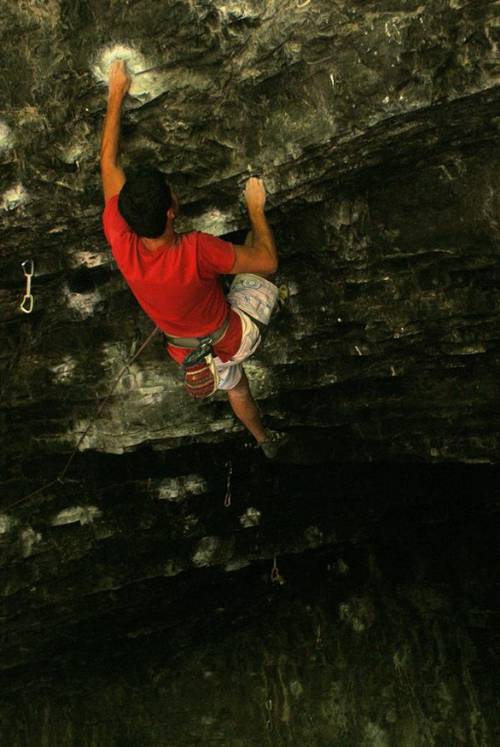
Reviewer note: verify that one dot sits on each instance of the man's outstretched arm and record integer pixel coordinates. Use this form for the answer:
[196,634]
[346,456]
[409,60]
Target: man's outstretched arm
[113,177]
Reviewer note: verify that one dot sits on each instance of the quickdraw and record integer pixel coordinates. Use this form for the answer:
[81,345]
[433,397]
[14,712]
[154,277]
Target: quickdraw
[27,303]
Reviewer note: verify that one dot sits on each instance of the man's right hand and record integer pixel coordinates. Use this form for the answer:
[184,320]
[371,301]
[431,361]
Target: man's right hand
[261,256]
[255,194]
[119,79]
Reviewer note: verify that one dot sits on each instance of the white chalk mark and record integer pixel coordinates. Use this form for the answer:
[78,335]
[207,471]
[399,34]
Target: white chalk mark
[206,551]
[14,197]
[87,258]
[6,523]
[251,517]
[82,514]
[146,86]
[29,538]
[176,489]
[216,222]
[6,137]
[83,303]
[72,153]
[392,31]
[64,371]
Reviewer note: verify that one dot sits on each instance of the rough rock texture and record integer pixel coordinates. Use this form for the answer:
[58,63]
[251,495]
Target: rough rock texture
[374,634]
[376,127]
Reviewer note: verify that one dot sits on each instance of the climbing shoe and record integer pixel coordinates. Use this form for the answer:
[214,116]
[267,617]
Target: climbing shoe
[274,442]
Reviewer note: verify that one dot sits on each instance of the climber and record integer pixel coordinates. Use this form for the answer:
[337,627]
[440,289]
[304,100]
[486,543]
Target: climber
[176,277]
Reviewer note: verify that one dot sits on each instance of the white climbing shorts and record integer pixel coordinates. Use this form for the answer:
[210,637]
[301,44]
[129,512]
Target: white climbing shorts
[249,295]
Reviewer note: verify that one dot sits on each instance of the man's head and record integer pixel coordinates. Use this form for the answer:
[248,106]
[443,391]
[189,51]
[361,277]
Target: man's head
[144,201]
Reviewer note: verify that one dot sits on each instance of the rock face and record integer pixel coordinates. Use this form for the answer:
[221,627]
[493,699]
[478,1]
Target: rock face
[371,634]
[376,127]
[376,131]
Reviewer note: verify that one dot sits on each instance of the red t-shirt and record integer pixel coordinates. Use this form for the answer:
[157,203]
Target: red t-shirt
[178,286]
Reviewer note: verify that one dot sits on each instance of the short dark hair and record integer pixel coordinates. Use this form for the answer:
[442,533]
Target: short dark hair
[144,200]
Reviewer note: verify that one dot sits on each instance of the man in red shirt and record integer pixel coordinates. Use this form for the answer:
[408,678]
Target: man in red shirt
[176,277]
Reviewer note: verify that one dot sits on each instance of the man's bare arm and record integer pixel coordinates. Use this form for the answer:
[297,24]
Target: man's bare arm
[262,255]
[113,177]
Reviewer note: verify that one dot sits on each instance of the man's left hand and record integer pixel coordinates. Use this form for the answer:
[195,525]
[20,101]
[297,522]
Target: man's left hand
[119,79]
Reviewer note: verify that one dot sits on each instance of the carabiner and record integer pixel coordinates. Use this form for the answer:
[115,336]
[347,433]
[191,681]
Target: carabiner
[27,303]
[31,264]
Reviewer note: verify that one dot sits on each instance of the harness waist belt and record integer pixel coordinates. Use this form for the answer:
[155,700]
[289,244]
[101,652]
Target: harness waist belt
[194,342]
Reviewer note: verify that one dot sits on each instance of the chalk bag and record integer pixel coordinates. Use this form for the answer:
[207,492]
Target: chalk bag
[201,378]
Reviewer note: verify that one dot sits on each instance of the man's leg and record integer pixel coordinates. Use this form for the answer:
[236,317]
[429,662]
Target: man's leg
[245,409]
[240,396]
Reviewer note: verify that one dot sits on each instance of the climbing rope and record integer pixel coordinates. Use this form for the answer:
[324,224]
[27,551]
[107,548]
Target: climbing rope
[269,713]
[60,478]
[228,497]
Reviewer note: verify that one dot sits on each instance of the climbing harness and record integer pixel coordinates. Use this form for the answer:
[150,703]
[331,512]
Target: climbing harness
[27,303]
[60,477]
[196,342]
[200,373]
